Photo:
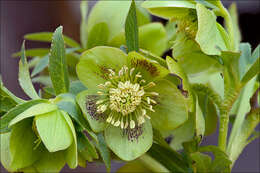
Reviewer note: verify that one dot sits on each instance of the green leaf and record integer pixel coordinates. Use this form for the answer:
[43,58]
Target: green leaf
[169,158]
[85,148]
[202,162]
[131,29]
[208,35]
[47,37]
[252,72]
[152,37]
[83,24]
[234,16]
[98,35]
[71,154]
[169,9]
[200,121]
[7,118]
[104,11]
[104,151]
[93,66]
[172,110]
[58,66]
[244,59]
[143,17]
[221,161]
[21,145]
[128,148]
[24,77]
[76,87]
[40,66]
[183,133]
[33,52]
[45,80]
[53,131]
[50,162]
[191,58]
[86,100]
[34,110]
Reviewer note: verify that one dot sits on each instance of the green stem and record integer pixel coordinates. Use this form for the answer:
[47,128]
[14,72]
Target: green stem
[223,130]
[152,164]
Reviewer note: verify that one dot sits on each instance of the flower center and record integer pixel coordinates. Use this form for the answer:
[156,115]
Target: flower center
[126,99]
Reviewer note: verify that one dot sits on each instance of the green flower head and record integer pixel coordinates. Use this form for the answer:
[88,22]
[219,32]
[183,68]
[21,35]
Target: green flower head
[126,95]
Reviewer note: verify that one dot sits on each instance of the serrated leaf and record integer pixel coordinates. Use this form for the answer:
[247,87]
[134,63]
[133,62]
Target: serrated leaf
[202,162]
[24,76]
[208,35]
[33,52]
[7,118]
[253,71]
[131,29]
[58,67]
[221,161]
[83,24]
[104,151]
[47,37]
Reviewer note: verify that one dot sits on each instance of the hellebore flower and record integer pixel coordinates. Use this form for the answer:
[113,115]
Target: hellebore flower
[42,139]
[127,95]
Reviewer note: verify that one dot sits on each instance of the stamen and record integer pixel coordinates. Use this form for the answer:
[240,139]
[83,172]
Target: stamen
[132,70]
[148,100]
[151,108]
[132,124]
[149,85]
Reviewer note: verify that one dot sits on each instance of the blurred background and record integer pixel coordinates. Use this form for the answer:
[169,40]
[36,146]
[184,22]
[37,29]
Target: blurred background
[18,18]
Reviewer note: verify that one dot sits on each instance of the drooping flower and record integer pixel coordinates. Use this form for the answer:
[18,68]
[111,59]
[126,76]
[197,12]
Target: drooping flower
[127,95]
[42,138]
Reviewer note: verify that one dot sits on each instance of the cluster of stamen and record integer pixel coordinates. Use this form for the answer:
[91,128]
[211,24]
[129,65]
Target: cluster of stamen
[125,99]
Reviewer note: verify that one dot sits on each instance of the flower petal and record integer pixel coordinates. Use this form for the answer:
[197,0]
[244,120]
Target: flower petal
[125,148]
[93,66]
[54,131]
[171,110]
[150,70]
[87,102]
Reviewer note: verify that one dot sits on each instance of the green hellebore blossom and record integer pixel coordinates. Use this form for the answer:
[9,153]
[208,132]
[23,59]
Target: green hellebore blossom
[42,138]
[127,95]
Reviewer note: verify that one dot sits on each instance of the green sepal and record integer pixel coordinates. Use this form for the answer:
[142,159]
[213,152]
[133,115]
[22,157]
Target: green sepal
[53,131]
[85,98]
[125,147]
[35,110]
[93,66]
[11,114]
[22,145]
[171,109]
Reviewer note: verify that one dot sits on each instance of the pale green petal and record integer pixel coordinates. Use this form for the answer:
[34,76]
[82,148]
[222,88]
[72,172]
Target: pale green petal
[171,110]
[125,148]
[93,66]
[54,131]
